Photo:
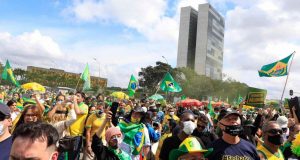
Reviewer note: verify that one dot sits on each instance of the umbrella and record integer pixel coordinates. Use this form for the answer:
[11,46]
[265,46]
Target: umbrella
[156,97]
[120,95]
[220,103]
[189,103]
[34,86]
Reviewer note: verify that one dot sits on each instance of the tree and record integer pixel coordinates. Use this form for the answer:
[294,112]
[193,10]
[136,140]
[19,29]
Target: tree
[152,75]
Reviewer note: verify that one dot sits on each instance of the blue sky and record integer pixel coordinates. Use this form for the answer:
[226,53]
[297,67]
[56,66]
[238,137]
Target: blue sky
[125,35]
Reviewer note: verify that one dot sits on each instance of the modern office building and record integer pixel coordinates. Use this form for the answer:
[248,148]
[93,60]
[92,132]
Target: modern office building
[201,40]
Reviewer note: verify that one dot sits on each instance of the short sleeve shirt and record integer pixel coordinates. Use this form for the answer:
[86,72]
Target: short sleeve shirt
[243,150]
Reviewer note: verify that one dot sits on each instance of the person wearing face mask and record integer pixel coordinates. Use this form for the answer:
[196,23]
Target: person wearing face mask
[273,139]
[286,148]
[113,137]
[5,136]
[136,140]
[283,123]
[187,125]
[230,145]
[94,121]
[200,132]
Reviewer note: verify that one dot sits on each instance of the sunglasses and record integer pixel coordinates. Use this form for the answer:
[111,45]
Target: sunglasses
[200,126]
[275,131]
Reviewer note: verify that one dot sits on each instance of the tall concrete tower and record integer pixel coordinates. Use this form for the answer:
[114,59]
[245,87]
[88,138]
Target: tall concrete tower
[201,40]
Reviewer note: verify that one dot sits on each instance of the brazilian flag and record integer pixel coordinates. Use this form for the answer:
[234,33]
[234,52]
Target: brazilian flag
[9,75]
[276,69]
[85,76]
[168,84]
[132,86]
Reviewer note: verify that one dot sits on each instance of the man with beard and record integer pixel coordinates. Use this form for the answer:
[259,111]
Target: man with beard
[273,139]
[230,145]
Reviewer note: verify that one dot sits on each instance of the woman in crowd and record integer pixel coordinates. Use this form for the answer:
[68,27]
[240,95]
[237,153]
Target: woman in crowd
[31,113]
[14,111]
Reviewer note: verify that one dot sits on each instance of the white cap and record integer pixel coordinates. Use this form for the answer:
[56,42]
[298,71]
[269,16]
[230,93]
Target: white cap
[282,121]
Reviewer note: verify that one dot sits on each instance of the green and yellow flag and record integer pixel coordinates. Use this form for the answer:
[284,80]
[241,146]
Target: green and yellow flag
[210,108]
[132,86]
[168,84]
[276,69]
[9,75]
[85,76]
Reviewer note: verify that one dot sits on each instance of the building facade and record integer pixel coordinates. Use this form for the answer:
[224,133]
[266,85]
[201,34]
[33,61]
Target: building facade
[60,78]
[201,40]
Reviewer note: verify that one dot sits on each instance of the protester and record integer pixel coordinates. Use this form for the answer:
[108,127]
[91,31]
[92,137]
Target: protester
[113,138]
[14,111]
[77,127]
[202,132]
[273,139]
[31,113]
[286,148]
[34,141]
[94,121]
[5,136]
[136,140]
[230,145]
[186,126]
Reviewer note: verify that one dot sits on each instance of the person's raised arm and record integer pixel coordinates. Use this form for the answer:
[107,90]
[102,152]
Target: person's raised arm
[38,103]
[52,112]
[295,115]
[76,108]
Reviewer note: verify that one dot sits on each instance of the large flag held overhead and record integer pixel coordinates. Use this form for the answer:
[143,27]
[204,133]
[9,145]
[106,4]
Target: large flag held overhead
[9,75]
[85,76]
[276,69]
[168,84]
[132,86]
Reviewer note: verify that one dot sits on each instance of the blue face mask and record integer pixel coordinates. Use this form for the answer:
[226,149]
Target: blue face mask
[1,100]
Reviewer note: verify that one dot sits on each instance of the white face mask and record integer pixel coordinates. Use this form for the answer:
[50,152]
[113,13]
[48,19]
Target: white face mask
[188,127]
[2,129]
[171,113]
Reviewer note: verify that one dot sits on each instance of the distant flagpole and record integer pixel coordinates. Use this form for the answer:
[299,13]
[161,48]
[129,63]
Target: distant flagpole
[287,77]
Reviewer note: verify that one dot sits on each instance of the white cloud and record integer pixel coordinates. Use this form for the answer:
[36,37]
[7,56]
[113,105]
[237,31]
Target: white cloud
[261,34]
[257,33]
[32,46]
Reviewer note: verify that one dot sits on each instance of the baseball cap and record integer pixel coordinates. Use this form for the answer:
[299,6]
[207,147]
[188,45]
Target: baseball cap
[189,145]
[4,109]
[225,113]
[282,121]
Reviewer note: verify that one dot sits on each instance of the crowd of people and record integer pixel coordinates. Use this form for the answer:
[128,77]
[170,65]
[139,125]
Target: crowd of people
[75,126]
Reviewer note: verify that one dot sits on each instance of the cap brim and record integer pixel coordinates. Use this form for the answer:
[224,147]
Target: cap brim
[175,153]
[232,113]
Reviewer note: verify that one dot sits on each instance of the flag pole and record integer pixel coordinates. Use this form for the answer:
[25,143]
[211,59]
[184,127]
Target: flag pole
[287,77]
[77,84]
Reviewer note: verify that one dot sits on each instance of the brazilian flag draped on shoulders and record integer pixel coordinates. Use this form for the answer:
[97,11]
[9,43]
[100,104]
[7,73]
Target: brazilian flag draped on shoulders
[276,69]
[8,74]
[132,86]
[133,135]
[168,84]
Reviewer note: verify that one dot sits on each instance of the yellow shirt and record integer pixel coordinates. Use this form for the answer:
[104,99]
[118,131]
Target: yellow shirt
[94,122]
[268,155]
[77,127]
[167,117]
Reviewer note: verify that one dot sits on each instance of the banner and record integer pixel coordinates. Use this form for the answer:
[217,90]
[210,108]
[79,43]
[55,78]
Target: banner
[256,97]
